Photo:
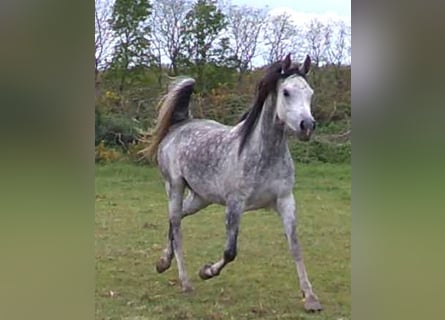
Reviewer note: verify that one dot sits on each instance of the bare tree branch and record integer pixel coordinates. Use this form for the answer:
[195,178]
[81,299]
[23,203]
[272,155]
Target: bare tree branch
[281,37]
[103,39]
[246,24]
[338,51]
[167,28]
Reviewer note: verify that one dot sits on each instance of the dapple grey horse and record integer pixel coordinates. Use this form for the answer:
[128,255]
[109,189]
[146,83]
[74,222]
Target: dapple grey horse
[244,167]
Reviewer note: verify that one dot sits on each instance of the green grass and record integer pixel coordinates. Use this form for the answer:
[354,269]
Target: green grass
[131,227]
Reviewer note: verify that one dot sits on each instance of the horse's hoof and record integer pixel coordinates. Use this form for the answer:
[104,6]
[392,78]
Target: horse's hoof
[311,304]
[162,265]
[187,288]
[205,272]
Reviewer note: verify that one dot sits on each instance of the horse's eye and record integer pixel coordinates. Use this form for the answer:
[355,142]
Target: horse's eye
[286,93]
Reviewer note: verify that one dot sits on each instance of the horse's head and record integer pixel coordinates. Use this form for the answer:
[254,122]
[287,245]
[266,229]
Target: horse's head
[294,98]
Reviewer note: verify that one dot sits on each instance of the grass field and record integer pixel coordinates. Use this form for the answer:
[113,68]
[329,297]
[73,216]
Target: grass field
[130,232]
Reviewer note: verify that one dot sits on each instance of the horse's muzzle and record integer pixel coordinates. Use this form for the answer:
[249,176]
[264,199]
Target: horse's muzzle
[307,126]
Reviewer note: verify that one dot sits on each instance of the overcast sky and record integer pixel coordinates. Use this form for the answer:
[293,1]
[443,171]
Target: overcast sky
[305,9]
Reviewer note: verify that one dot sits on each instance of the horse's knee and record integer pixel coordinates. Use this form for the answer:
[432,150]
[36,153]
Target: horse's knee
[174,222]
[230,254]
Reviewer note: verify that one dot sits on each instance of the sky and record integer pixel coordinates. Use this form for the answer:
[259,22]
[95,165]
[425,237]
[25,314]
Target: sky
[305,9]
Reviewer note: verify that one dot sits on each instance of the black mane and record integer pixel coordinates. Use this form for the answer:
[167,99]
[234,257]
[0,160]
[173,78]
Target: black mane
[267,85]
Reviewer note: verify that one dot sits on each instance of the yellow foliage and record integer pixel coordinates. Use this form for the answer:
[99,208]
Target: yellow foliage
[113,96]
[108,100]
[104,154]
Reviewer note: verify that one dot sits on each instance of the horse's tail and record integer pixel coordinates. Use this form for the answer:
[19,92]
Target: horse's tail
[173,108]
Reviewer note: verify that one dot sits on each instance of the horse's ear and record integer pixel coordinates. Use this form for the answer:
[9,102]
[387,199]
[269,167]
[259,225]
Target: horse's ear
[285,64]
[306,66]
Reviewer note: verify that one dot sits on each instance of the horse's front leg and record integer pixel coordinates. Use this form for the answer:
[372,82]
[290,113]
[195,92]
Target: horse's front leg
[287,210]
[234,211]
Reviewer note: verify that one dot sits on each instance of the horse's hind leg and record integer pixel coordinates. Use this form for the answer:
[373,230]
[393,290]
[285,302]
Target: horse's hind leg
[175,192]
[234,211]
[192,204]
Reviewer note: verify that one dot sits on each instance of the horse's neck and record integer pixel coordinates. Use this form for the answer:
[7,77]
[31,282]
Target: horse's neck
[270,131]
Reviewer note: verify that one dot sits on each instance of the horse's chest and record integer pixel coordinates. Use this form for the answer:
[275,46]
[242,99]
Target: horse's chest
[265,193]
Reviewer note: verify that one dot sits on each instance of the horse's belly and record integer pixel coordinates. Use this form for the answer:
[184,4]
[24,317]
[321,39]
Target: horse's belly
[260,200]
[208,191]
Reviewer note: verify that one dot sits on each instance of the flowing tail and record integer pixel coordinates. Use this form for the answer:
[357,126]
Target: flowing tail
[173,108]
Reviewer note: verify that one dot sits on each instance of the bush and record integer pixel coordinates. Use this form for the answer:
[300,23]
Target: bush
[133,154]
[115,130]
[318,151]
[104,154]
[221,105]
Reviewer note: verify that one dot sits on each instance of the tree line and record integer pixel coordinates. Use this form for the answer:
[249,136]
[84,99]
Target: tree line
[140,44]
[185,36]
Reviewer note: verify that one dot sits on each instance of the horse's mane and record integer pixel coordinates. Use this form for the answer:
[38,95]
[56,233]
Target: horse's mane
[266,86]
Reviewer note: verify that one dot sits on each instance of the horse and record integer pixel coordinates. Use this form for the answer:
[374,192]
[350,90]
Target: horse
[243,167]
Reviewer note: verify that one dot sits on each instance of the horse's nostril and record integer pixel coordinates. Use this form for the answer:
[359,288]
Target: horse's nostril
[302,126]
[307,125]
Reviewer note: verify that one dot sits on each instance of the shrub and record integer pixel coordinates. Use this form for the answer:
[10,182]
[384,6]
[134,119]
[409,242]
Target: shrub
[104,154]
[320,151]
[115,130]
[221,105]
[133,154]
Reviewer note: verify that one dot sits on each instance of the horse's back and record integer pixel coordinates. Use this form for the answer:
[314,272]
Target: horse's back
[195,142]
[193,134]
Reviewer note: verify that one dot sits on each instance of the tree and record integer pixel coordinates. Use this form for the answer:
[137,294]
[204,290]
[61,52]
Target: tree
[245,25]
[128,21]
[202,27]
[339,49]
[103,38]
[318,36]
[168,29]
[281,36]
